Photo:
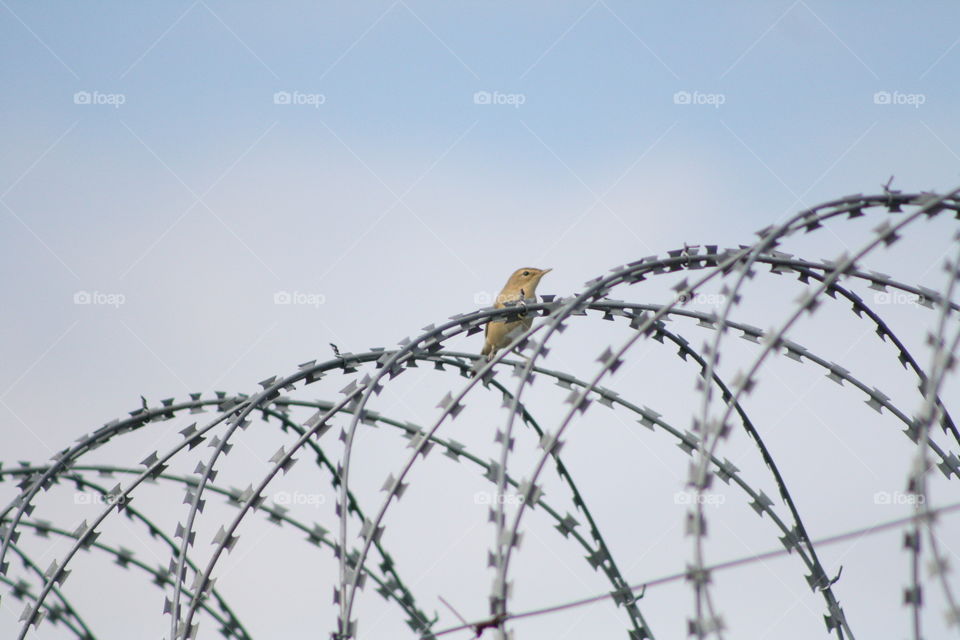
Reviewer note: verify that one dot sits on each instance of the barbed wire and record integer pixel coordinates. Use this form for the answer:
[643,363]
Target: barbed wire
[356,537]
[742,561]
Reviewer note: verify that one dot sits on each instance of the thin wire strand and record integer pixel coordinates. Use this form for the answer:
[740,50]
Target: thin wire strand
[729,564]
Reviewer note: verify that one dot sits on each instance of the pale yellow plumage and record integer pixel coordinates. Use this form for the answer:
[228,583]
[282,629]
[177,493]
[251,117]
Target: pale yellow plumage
[521,285]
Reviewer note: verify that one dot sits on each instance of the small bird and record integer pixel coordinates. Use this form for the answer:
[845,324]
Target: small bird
[522,285]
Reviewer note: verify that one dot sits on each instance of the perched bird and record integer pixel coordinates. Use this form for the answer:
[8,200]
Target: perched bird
[522,285]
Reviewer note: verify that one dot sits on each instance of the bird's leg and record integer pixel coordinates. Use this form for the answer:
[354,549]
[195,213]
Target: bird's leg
[523,302]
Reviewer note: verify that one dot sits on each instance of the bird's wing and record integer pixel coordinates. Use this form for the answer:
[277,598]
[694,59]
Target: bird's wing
[497,304]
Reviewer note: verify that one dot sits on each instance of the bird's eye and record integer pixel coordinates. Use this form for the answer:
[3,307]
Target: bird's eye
[526,273]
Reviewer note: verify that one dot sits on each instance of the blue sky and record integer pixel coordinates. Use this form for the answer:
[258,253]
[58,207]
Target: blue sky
[145,156]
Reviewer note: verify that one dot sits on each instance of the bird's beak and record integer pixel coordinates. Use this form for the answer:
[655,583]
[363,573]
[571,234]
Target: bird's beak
[545,272]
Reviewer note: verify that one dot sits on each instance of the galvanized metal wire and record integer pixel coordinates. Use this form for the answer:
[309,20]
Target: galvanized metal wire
[355,537]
